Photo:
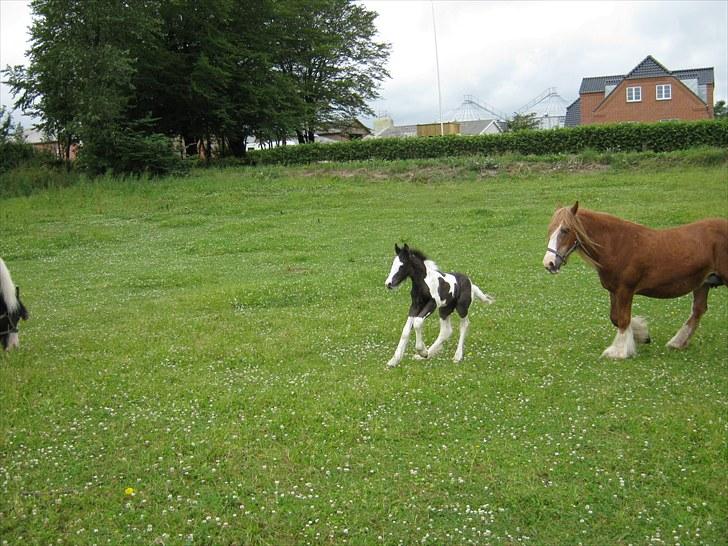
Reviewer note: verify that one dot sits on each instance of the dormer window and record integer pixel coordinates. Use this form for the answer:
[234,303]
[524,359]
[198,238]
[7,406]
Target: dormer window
[663,92]
[634,94]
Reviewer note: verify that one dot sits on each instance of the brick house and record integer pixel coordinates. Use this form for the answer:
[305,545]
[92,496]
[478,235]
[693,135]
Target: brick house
[648,93]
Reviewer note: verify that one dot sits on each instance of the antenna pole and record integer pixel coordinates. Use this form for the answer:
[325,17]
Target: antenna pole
[437,66]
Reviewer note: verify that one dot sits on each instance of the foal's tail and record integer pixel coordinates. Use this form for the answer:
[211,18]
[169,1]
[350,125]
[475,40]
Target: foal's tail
[482,296]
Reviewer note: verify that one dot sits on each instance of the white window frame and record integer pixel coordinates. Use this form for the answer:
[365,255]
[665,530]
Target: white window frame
[636,93]
[663,87]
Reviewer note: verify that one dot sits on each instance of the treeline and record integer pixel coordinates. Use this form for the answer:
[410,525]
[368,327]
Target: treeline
[141,82]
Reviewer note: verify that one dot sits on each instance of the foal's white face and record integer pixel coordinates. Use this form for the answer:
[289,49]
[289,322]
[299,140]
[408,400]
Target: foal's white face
[396,274]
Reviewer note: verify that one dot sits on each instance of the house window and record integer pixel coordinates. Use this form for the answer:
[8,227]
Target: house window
[634,94]
[664,92]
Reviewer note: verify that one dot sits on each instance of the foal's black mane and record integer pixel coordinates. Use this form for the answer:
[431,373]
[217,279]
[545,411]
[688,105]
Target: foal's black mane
[418,254]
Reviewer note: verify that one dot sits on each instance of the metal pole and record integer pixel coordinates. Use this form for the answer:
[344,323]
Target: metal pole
[437,65]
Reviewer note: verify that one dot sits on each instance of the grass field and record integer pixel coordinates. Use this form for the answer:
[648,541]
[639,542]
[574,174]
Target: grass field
[205,364]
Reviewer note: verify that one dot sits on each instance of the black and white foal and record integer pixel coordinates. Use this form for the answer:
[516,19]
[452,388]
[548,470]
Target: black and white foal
[431,289]
[11,309]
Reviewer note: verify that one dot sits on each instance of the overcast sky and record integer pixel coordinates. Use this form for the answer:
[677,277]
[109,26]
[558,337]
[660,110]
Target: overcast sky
[504,53]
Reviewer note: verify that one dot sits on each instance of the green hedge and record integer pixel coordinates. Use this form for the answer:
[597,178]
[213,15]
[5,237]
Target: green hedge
[657,137]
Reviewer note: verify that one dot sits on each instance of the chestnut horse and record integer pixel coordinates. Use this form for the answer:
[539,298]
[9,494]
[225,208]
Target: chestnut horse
[633,259]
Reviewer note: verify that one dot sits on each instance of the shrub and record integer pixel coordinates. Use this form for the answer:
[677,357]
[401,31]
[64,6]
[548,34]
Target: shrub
[14,154]
[657,137]
[128,151]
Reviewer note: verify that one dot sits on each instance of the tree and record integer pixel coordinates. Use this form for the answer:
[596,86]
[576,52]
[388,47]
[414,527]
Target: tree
[78,82]
[328,52]
[6,122]
[520,122]
[720,110]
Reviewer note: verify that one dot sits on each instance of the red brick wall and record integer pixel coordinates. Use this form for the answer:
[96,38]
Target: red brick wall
[684,104]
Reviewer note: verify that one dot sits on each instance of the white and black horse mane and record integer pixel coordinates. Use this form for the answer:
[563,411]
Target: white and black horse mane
[11,308]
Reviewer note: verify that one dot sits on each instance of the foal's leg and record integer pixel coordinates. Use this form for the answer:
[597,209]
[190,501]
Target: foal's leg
[420,347]
[464,325]
[623,345]
[443,336]
[402,345]
[417,322]
[700,305]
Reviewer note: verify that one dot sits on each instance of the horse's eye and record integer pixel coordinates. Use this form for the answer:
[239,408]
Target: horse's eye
[564,231]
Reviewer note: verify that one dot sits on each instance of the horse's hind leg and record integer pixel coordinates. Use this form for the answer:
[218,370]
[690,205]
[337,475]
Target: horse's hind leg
[700,305]
[464,325]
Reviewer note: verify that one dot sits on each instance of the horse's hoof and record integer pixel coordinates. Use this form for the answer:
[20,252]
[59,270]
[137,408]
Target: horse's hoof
[392,364]
[611,352]
[648,340]
[418,356]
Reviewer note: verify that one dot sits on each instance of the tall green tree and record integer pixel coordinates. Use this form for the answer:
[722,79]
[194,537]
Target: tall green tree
[329,54]
[78,82]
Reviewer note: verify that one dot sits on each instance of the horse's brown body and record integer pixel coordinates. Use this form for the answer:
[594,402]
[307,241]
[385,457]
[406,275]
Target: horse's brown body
[633,259]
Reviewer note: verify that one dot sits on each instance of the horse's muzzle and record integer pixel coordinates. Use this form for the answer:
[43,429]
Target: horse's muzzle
[553,267]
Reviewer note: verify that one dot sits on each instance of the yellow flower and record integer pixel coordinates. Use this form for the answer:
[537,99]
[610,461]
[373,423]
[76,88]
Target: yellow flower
[129,491]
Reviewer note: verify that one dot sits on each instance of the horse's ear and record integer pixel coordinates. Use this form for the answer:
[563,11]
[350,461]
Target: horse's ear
[23,311]
[575,208]
[396,248]
[406,248]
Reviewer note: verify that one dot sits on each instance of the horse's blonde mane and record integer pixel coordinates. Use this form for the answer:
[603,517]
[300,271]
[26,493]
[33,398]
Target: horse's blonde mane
[7,288]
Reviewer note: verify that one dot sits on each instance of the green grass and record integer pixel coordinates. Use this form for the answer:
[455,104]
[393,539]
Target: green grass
[218,344]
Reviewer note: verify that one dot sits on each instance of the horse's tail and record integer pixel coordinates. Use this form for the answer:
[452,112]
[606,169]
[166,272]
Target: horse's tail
[7,288]
[482,296]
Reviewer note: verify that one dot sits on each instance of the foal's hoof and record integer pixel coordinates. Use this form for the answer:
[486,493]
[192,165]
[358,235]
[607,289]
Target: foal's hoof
[418,356]
[392,364]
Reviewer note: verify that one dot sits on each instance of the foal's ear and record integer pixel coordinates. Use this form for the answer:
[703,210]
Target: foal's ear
[406,248]
[396,248]
[575,208]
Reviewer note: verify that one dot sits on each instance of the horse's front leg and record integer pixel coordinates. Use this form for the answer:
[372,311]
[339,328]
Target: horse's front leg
[700,305]
[417,323]
[402,345]
[623,345]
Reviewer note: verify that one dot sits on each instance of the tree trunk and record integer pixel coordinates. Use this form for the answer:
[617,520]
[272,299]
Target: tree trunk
[236,145]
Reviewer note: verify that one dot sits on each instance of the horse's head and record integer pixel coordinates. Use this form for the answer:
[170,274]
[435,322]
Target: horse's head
[562,238]
[401,266]
[10,314]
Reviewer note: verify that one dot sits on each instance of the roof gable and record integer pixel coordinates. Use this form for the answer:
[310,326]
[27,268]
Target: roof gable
[648,68]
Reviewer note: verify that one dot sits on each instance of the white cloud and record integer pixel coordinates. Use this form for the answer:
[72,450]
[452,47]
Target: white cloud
[506,53]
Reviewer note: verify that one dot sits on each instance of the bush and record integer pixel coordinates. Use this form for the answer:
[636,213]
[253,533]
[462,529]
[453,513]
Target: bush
[30,178]
[656,137]
[14,154]
[127,151]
